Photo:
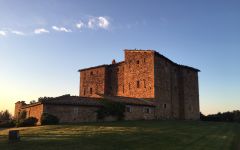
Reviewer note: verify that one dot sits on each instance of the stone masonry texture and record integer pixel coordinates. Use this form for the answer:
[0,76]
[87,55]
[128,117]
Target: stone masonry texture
[144,77]
[148,75]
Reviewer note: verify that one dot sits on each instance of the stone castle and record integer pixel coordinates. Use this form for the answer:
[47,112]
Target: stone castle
[146,74]
[149,84]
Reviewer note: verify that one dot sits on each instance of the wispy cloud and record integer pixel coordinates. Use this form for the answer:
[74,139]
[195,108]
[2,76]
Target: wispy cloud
[40,31]
[61,29]
[17,32]
[103,22]
[98,22]
[91,23]
[2,33]
[80,25]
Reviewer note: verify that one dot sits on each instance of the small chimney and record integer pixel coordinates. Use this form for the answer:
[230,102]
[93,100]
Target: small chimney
[113,61]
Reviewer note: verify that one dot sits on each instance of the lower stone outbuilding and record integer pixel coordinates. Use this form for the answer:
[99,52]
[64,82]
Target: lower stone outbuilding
[75,109]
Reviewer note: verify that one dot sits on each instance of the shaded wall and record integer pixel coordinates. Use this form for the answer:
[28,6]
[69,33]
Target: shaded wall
[72,114]
[115,80]
[139,113]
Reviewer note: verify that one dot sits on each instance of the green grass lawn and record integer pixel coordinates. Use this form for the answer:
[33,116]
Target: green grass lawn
[129,135]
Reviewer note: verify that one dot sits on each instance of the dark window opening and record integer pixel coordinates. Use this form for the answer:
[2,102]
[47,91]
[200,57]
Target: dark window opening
[144,60]
[138,84]
[137,61]
[91,73]
[90,90]
[144,82]
[164,106]
[147,110]
[128,109]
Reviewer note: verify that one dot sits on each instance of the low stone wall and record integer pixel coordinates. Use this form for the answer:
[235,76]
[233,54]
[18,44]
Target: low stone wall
[139,113]
[72,114]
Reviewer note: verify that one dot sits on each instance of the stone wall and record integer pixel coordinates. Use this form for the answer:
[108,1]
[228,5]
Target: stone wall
[139,113]
[115,80]
[147,74]
[139,74]
[176,90]
[92,82]
[164,85]
[34,111]
[18,106]
[191,94]
[72,114]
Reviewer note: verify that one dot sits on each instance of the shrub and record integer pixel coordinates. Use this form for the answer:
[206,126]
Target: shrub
[31,121]
[48,119]
[111,108]
[7,124]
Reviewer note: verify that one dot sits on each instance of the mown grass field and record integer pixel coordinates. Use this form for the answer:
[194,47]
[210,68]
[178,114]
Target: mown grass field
[129,135]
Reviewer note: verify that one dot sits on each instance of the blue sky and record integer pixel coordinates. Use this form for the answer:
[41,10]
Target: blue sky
[44,43]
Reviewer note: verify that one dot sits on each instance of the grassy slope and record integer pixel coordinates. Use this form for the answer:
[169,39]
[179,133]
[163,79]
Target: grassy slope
[140,135]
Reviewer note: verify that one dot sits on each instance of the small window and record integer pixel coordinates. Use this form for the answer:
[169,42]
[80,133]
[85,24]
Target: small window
[144,60]
[137,61]
[90,90]
[147,110]
[91,73]
[75,110]
[84,91]
[128,109]
[138,84]
[165,106]
[144,82]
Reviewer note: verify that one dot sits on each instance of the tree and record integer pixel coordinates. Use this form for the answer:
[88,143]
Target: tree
[32,101]
[5,115]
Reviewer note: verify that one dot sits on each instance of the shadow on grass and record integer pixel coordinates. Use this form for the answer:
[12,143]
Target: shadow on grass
[140,135]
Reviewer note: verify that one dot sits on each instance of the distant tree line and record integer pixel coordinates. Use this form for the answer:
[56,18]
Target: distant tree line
[233,116]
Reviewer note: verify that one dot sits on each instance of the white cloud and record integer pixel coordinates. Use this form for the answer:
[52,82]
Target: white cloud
[98,22]
[91,23]
[40,31]
[17,32]
[3,33]
[103,22]
[61,29]
[80,25]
